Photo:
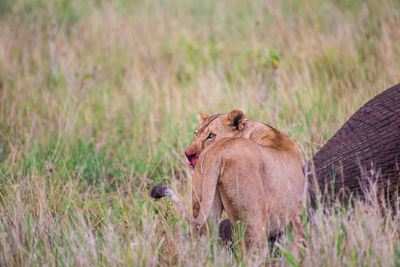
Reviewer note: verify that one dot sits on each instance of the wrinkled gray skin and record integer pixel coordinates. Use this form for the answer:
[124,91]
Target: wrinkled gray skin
[365,150]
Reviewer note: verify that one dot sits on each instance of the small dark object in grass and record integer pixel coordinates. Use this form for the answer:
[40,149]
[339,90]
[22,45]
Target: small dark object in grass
[158,191]
[225,231]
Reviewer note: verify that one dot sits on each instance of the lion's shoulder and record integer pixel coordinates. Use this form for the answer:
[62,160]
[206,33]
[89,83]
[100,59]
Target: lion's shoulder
[267,136]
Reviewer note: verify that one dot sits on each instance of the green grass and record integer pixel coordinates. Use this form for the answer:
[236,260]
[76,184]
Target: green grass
[98,100]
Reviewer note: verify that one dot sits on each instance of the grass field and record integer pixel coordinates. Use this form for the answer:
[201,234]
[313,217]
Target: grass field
[98,100]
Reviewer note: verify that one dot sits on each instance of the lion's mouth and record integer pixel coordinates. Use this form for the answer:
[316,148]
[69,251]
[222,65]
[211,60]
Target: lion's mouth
[191,158]
[193,163]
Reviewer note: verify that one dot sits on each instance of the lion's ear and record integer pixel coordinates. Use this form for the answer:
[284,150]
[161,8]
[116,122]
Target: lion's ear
[201,117]
[235,120]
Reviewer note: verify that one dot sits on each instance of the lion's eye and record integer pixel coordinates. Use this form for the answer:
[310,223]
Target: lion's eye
[195,133]
[210,136]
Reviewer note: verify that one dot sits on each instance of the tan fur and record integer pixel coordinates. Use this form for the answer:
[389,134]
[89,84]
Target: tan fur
[250,170]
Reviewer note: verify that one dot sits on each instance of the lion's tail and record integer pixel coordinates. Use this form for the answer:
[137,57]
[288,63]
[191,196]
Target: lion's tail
[161,190]
[211,175]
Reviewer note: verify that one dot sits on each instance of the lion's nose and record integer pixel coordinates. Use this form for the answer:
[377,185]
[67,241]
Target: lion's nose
[191,157]
[190,154]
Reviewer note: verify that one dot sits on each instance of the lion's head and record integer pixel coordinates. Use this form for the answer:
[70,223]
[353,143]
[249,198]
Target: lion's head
[212,129]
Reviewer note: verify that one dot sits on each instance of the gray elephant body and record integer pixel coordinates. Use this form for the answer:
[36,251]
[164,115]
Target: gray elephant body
[365,151]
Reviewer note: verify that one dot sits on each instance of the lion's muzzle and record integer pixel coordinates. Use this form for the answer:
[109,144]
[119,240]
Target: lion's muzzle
[191,157]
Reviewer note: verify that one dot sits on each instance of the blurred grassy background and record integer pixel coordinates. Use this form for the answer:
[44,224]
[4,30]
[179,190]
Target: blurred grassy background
[98,99]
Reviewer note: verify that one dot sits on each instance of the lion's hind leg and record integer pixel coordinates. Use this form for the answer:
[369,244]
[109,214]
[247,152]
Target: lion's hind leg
[243,199]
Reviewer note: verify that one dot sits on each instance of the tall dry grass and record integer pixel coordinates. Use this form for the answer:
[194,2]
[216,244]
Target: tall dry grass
[98,100]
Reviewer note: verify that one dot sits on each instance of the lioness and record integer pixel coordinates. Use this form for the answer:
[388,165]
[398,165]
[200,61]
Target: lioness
[247,168]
